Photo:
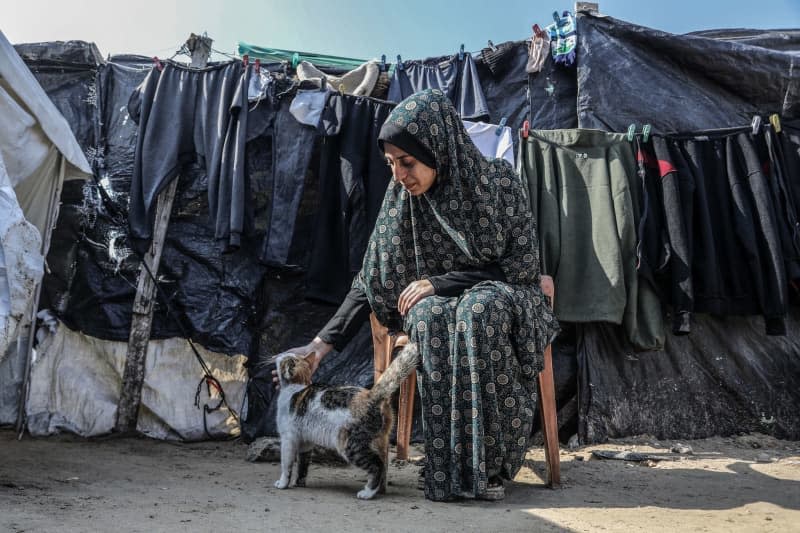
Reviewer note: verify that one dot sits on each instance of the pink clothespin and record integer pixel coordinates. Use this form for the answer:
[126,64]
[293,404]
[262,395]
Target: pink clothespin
[526,128]
[537,31]
[157,63]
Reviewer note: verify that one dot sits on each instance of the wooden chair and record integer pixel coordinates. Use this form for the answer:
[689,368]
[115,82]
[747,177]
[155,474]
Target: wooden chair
[385,345]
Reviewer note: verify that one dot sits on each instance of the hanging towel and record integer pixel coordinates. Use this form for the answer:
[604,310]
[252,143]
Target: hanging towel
[359,81]
[537,52]
[563,39]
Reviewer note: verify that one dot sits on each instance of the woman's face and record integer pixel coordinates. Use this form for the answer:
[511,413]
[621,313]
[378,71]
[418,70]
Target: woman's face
[414,176]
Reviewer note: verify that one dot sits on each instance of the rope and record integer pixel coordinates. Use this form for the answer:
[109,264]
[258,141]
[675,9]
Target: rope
[207,378]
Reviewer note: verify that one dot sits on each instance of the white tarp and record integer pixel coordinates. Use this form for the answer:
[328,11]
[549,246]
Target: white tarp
[76,382]
[21,262]
[38,151]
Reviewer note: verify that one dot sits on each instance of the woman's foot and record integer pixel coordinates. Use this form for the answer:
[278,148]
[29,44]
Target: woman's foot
[494,490]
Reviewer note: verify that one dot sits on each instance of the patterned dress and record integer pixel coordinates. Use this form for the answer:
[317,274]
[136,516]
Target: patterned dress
[480,352]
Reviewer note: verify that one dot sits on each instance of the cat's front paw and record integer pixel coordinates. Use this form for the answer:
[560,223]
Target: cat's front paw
[281,483]
[366,494]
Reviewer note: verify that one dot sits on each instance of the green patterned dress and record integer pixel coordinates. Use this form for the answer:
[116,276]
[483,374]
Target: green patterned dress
[481,352]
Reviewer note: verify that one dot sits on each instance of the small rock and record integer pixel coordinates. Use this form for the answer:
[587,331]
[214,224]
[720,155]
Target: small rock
[415,506]
[573,443]
[682,449]
[763,458]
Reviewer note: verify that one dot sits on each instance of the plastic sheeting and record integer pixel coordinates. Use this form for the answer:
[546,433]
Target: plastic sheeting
[76,381]
[93,274]
[632,74]
[726,377]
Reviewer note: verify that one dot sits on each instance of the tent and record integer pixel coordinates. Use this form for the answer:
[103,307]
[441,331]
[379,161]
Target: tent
[38,153]
[725,377]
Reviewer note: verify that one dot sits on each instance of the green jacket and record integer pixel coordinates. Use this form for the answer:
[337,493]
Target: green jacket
[580,189]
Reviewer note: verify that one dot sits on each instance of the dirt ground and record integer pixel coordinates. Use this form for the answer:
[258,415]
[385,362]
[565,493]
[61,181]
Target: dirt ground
[64,483]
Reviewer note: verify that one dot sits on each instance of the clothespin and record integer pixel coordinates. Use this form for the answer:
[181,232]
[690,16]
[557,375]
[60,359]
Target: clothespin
[526,128]
[461,53]
[492,46]
[245,60]
[645,132]
[399,65]
[537,31]
[157,63]
[257,67]
[341,88]
[499,130]
[631,131]
[295,60]
[323,83]
[556,18]
[755,125]
[382,68]
[775,120]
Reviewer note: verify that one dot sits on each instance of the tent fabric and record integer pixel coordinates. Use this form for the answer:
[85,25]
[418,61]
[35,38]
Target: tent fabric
[21,262]
[24,85]
[678,83]
[76,382]
[36,148]
[725,378]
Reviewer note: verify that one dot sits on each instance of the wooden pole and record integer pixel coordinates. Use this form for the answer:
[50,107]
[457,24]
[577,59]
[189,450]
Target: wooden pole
[130,398]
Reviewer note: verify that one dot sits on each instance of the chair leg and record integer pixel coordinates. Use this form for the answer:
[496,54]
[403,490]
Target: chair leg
[381,342]
[405,413]
[547,401]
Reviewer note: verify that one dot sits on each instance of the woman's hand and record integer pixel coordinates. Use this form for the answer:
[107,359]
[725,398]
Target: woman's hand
[415,292]
[313,352]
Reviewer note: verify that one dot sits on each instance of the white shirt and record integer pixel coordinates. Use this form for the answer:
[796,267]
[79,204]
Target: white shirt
[489,142]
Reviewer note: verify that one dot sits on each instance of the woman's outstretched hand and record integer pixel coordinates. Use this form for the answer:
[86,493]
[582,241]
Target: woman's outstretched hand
[412,294]
[314,351]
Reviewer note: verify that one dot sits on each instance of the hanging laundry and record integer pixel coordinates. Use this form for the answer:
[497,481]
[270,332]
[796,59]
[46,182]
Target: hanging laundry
[725,251]
[457,78]
[492,140]
[187,114]
[579,183]
[780,177]
[359,81]
[260,84]
[537,51]
[307,106]
[291,145]
[353,180]
[563,39]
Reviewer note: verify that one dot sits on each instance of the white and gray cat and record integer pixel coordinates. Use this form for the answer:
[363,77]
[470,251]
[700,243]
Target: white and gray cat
[351,420]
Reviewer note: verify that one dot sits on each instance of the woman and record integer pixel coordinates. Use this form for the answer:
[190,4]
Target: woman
[454,262]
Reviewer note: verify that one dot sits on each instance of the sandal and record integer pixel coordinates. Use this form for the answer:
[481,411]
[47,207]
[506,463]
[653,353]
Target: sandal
[495,490]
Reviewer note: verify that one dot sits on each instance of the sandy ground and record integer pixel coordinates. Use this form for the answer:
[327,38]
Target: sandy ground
[747,483]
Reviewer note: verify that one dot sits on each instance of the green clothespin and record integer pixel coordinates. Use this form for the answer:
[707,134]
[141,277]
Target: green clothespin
[631,131]
[646,132]
[295,60]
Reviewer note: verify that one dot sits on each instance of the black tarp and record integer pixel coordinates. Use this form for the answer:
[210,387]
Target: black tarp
[676,83]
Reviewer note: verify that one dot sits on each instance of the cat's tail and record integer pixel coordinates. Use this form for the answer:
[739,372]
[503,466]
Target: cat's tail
[399,369]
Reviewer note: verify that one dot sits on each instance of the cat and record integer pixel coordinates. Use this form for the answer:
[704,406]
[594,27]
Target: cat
[351,420]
